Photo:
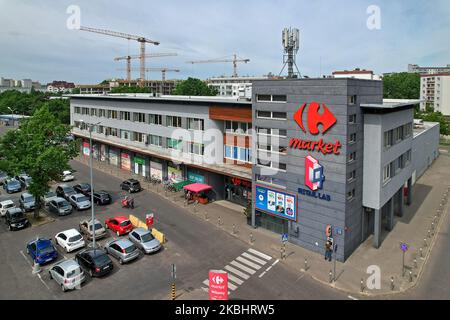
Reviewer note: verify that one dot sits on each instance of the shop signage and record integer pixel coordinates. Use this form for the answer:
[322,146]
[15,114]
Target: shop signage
[218,285]
[196,177]
[86,149]
[139,160]
[239,182]
[276,203]
[326,119]
[314,179]
[175,175]
[125,163]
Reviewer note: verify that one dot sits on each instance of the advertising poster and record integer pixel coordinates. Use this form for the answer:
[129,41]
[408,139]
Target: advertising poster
[276,203]
[86,149]
[102,152]
[113,159]
[175,175]
[125,162]
[218,285]
[95,151]
[156,170]
[196,177]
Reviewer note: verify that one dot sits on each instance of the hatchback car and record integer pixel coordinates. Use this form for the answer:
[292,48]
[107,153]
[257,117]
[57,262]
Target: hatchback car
[24,180]
[67,176]
[95,261]
[131,185]
[15,219]
[102,197]
[41,251]
[12,186]
[67,274]
[49,196]
[86,229]
[70,240]
[27,202]
[80,201]
[144,240]
[120,225]
[5,206]
[83,188]
[60,207]
[122,249]
[65,191]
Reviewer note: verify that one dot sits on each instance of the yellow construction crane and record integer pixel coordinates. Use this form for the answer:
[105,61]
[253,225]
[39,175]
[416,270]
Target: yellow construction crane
[141,40]
[235,61]
[150,55]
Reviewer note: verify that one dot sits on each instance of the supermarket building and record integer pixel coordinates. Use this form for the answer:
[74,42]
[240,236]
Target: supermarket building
[321,159]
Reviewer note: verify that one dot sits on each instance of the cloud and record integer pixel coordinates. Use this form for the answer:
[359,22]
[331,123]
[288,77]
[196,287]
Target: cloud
[36,43]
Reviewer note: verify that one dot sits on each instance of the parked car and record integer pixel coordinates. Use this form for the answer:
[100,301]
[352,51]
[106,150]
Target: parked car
[131,185]
[122,249]
[144,240]
[24,180]
[102,197]
[80,201]
[49,196]
[70,240]
[65,191]
[83,188]
[41,250]
[95,261]
[15,219]
[67,176]
[67,274]
[27,202]
[3,177]
[5,206]
[86,229]
[120,225]
[12,186]
[60,206]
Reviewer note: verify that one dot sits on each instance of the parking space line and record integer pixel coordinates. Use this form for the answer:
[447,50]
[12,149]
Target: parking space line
[26,259]
[40,278]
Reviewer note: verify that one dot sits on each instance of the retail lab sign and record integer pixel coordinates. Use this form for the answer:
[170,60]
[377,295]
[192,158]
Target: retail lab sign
[326,119]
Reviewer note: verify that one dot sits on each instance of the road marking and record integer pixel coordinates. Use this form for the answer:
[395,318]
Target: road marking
[237,272]
[262,274]
[262,255]
[206,282]
[353,298]
[234,279]
[249,263]
[26,259]
[249,256]
[273,264]
[242,267]
[40,278]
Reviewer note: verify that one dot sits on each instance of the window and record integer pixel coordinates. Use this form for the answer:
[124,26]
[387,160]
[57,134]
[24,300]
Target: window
[138,117]
[101,129]
[387,174]
[238,153]
[271,98]
[85,111]
[196,124]
[173,121]
[77,110]
[124,115]
[352,157]
[282,166]
[352,138]
[388,137]
[351,195]
[398,134]
[93,112]
[352,100]
[279,98]
[238,127]
[102,113]
[174,144]
[155,140]
[264,114]
[352,119]
[138,137]
[112,114]
[125,134]
[407,130]
[271,115]
[155,119]
[351,176]
[407,158]
[270,180]
[196,148]
[279,115]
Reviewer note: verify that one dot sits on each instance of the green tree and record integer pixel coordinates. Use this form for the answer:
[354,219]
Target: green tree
[430,116]
[39,148]
[194,87]
[401,86]
[132,89]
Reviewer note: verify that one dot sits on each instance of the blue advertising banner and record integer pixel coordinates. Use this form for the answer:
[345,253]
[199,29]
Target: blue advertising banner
[196,177]
[276,203]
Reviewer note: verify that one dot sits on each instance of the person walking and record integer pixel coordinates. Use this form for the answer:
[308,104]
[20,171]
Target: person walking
[328,251]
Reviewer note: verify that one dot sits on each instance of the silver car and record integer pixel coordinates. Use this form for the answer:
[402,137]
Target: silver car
[49,196]
[27,202]
[80,201]
[144,240]
[67,274]
[122,249]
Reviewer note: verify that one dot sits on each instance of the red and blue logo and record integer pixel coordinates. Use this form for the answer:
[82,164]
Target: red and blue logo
[314,177]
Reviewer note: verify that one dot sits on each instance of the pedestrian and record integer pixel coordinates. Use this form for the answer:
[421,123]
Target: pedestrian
[328,250]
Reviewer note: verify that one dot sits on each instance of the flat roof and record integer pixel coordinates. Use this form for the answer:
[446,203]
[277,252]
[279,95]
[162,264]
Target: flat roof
[423,127]
[391,104]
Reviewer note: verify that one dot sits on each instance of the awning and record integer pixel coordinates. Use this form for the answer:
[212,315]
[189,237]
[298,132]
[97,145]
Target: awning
[197,187]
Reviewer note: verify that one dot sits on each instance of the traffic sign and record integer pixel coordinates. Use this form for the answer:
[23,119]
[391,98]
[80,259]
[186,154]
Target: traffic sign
[284,237]
[149,219]
[218,285]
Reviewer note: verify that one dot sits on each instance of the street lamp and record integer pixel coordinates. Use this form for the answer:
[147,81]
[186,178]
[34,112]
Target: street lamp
[14,120]
[92,179]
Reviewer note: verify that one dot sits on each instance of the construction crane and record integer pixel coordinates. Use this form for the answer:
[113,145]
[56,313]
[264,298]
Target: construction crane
[162,70]
[235,61]
[150,55]
[141,40]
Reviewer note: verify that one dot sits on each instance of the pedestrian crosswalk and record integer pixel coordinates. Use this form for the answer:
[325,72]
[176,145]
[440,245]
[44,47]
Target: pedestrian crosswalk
[243,267]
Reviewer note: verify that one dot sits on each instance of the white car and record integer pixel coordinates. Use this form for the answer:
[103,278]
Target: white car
[70,240]
[5,206]
[67,176]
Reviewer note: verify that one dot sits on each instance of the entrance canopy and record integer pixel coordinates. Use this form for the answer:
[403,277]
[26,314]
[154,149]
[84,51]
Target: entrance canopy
[197,187]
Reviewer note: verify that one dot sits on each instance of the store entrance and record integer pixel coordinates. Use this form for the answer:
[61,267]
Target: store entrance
[274,224]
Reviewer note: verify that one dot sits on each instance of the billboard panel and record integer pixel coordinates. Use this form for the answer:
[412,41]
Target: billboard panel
[277,203]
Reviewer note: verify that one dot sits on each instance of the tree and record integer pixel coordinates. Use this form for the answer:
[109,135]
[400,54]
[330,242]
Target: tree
[402,86]
[132,89]
[430,116]
[40,148]
[194,87]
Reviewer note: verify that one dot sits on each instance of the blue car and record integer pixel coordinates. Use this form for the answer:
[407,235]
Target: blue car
[42,251]
[12,186]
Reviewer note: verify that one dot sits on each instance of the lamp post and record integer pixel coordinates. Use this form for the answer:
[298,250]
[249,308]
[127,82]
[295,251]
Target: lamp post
[14,120]
[90,126]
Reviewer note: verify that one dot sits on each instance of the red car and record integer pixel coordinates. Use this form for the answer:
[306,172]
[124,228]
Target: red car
[120,225]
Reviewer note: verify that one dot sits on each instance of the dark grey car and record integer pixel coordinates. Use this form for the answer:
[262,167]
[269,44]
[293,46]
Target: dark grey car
[65,191]
[60,206]
[144,240]
[122,249]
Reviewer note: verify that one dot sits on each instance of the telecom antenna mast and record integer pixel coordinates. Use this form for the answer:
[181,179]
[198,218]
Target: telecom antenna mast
[291,45]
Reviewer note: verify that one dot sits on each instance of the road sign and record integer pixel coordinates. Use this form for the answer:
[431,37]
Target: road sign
[149,219]
[174,271]
[218,285]
[339,231]
[404,247]
[284,237]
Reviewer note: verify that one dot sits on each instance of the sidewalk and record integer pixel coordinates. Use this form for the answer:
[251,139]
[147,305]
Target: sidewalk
[430,204]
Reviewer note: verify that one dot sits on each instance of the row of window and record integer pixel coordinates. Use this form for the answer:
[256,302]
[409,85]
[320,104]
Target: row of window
[277,98]
[236,127]
[238,153]
[394,168]
[396,135]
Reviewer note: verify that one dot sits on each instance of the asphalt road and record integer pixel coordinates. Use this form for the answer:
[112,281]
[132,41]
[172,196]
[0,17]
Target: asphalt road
[193,245]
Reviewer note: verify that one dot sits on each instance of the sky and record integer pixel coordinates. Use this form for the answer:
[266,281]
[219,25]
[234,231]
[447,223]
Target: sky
[36,43]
